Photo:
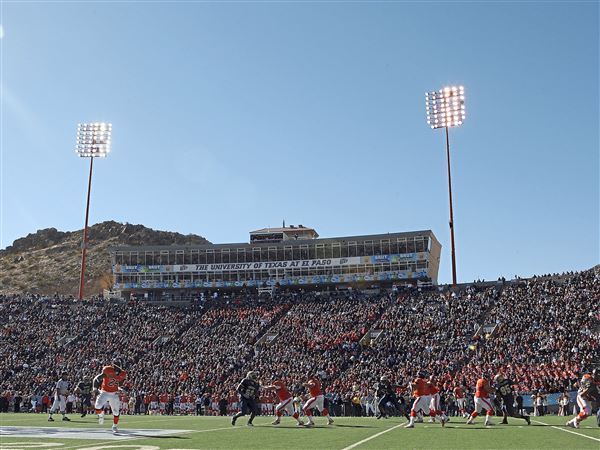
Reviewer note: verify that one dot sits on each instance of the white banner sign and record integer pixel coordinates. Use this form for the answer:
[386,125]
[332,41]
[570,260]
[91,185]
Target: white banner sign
[304,263]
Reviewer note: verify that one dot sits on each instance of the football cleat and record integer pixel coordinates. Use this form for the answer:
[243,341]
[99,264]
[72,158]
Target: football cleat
[330,421]
[573,423]
[114,428]
[409,425]
[50,419]
[276,422]
[249,424]
[528,420]
[233,419]
[66,419]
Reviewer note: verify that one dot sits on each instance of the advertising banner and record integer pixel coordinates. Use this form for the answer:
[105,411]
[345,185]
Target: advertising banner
[288,281]
[304,263]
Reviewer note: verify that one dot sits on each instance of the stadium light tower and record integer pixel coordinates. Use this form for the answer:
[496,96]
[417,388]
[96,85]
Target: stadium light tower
[445,109]
[93,141]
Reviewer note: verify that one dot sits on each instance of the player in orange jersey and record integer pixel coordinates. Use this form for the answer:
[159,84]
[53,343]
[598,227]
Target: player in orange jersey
[587,393]
[482,401]
[435,409]
[459,395]
[316,400]
[421,393]
[285,402]
[109,382]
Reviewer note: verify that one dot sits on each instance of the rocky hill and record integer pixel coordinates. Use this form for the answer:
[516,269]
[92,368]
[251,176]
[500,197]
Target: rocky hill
[49,260]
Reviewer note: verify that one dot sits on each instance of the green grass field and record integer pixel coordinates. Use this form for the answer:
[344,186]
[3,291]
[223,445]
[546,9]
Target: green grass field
[347,433]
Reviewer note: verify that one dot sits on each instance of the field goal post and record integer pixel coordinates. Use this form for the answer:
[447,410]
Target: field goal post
[266,290]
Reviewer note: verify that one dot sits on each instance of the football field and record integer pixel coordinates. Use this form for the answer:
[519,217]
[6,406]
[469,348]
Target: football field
[21,431]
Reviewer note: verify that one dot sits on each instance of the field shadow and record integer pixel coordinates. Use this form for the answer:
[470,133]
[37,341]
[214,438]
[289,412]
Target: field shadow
[140,435]
[352,426]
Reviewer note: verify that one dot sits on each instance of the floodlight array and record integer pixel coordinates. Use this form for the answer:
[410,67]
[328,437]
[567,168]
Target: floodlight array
[93,139]
[446,107]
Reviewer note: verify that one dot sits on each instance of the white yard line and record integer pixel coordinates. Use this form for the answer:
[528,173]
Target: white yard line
[568,431]
[373,437]
[126,441]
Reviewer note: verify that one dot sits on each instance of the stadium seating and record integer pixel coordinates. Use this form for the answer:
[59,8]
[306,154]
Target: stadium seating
[547,331]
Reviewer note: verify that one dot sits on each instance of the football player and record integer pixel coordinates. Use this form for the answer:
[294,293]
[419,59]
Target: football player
[248,392]
[385,392]
[84,388]
[285,402]
[482,401]
[109,382]
[587,393]
[60,396]
[420,389]
[316,400]
[504,391]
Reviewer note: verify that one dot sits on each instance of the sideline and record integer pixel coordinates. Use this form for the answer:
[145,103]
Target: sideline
[567,431]
[373,437]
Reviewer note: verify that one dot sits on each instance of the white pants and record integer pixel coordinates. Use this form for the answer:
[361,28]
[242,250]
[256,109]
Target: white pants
[314,402]
[422,403]
[285,406]
[434,404]
[483,403]
[460,402]
[370,407]
[585,406]
[113,400]
[59,403]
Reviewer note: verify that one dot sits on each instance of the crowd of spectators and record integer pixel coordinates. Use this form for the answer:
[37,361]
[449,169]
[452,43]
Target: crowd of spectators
[541,333]
[422,331]
[548,331]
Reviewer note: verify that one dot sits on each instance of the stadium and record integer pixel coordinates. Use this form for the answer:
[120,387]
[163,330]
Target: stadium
[184,362]
[433,150]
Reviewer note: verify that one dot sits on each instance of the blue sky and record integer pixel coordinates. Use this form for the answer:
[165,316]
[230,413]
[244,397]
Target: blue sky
[228,117]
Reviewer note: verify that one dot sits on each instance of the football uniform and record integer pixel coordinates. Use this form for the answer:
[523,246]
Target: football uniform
[285,399]
[60,396]
[248,393]
[85,388]
[586,394]
[504,391]
[316,400]
[111,381]
[422,397]
[459,394]
[385,393]
[434,403]
[248,390]
[482,401]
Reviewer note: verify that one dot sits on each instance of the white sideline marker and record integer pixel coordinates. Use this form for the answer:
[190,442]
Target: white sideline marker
[568,431]
[373,437]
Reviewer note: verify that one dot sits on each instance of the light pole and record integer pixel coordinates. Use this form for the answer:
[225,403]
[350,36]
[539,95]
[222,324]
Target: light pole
[445,109]
[93,141]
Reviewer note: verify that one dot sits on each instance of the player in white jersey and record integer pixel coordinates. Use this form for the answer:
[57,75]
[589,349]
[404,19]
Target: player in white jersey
[60,398]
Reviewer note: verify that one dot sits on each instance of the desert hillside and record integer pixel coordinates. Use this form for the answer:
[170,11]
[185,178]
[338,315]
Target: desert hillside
[48,261]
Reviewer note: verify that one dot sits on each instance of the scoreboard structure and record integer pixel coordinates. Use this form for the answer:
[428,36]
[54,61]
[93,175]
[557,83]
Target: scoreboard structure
[277,257]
